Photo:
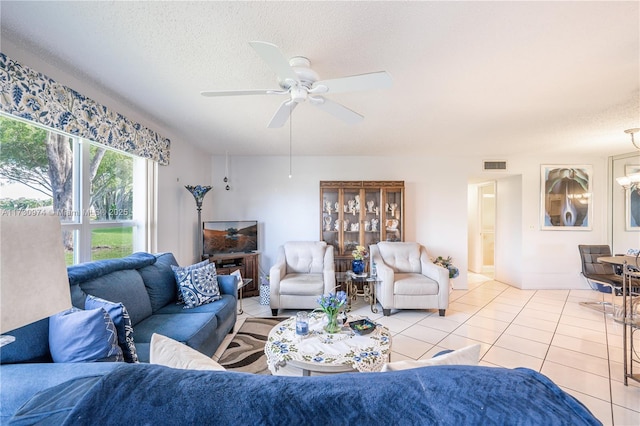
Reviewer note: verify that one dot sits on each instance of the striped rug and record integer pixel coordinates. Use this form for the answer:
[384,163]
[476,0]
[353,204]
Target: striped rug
[245,352]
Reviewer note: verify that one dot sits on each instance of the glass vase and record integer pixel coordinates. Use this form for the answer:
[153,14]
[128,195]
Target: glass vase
[332,324]
[357,266]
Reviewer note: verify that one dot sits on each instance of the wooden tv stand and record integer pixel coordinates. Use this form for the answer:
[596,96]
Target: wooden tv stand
[246,263]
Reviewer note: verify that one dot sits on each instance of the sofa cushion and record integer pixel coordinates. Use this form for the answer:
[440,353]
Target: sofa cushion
[198,284]
[170,353]
[126,287]
[401,256]
[192,329]
[21,381]
[122,322]
[304,257]
[469,355]
[31,344]
[160,282]
[83,336]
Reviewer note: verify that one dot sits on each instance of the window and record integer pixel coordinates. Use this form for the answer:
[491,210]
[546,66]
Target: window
[100,194]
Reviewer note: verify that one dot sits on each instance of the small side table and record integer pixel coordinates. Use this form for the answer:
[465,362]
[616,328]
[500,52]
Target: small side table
[351,281]
[241,285]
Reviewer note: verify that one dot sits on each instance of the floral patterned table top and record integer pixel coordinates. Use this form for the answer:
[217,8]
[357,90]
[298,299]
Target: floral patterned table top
[363,353]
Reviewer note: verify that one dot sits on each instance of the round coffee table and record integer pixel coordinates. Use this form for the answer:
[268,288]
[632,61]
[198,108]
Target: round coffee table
[321,352]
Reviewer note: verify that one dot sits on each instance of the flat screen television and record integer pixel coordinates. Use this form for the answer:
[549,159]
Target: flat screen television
[220,237]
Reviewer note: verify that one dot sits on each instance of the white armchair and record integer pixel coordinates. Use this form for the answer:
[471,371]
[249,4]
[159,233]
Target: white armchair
[408,278]
[303,271]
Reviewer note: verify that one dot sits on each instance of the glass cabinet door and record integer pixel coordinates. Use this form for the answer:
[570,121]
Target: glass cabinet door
[371,217]
[330,218]
[393,214]
[352,208]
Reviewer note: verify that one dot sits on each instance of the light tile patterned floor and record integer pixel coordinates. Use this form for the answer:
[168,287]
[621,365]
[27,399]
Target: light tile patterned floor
[545,330]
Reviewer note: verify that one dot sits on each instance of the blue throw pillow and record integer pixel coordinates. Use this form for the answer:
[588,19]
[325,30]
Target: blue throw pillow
[185,269]
[198,284]
[122,321]
[83,336]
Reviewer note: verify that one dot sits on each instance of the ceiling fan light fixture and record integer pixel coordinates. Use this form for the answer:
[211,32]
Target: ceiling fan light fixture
[632,132]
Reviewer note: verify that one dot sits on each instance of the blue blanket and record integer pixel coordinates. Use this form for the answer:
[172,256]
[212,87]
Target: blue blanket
[441,395]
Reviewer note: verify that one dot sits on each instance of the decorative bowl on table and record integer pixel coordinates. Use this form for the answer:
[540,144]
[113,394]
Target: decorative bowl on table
[363,326]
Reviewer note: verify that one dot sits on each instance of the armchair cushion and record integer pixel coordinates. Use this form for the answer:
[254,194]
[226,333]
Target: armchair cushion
[302,284]
[414,284]
[305,257]
[401,257]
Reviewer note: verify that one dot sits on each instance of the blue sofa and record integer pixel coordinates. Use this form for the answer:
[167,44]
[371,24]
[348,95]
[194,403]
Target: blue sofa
[145,284]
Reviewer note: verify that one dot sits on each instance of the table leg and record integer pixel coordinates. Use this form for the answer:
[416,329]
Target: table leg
[240,311]
[369,289]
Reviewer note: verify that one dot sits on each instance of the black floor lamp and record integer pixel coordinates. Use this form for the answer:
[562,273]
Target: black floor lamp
[198,192]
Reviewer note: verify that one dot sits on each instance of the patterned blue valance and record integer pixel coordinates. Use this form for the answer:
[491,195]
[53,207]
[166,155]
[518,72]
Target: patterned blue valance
[33,96]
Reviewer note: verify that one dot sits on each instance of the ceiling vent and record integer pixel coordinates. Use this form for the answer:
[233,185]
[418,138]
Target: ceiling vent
[494,165]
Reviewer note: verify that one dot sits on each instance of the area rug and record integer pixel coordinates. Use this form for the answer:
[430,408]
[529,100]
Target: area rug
[245,352]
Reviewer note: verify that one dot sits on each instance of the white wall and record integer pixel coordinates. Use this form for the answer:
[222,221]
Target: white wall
[436,200]
[509,234]
[178,229]
[288,209]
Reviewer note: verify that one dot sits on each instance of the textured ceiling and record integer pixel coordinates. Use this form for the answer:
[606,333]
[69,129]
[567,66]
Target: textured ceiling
[493,79]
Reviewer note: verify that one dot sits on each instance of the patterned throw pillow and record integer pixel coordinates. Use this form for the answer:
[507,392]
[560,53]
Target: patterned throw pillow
[122,321]
[198,285]
[195,266]
[83,336]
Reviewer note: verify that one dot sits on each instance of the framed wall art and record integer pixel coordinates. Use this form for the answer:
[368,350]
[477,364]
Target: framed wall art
[632,200]
[565,202]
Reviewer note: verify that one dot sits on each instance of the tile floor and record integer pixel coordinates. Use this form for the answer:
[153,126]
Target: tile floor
[545,330]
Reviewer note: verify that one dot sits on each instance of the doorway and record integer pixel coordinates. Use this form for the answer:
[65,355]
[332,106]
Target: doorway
[482,228]
[487,221]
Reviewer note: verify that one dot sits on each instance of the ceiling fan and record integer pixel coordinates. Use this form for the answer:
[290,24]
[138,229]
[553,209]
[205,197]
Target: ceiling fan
[301,83]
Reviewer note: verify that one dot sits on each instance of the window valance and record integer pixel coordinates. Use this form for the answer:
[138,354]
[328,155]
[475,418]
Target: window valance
[33,96]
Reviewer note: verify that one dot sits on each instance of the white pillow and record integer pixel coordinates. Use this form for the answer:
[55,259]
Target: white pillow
[469,355]
[171,353]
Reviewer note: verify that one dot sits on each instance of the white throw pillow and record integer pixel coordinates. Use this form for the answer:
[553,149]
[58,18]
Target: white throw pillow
[171,353]
[469,355]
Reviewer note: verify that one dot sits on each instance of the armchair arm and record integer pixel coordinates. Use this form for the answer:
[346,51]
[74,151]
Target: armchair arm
[385,274]
[329,271]
[437,273]
[276,273]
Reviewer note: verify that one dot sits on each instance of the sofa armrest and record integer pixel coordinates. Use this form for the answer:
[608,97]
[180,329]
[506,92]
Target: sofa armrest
[228,284]
[329,271]
[439,274]
[276,273]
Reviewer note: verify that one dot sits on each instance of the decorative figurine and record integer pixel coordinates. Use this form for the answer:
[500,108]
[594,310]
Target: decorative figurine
[357,204]
[367,225]
[328,206]
[336,225]
[327,223]
[370,204]
[374,224]
[352,206]
[337,207]
[345,225]
[393,207]
[355,227]
[377,210]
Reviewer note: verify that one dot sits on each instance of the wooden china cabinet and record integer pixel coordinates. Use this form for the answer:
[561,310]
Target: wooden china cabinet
[360,213]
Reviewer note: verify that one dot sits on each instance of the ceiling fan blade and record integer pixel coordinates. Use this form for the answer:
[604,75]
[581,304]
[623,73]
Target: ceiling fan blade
[370,81]
[337,110]
[271,54]
[282,114]
[211,93]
